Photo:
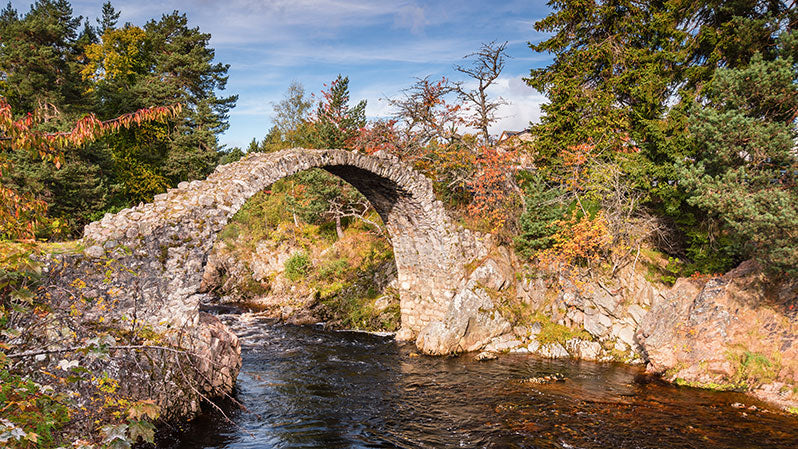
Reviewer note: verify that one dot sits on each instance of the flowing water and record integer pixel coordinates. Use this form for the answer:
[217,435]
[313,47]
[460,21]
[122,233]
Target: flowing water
[304,387]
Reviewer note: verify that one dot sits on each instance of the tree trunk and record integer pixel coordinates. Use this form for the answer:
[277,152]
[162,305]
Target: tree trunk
[338,228]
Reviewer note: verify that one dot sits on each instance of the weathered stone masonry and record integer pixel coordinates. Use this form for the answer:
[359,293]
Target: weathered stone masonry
[164,244]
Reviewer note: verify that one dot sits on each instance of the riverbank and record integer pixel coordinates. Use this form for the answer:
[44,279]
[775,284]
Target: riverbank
[71,375]
[731,332]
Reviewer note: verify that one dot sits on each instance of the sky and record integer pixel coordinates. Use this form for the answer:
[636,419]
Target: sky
[383,46]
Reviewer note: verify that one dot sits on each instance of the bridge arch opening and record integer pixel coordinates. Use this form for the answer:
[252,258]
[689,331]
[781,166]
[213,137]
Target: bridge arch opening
[313,246]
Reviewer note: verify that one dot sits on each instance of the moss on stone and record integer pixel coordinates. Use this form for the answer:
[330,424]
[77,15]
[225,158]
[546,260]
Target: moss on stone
[551,332]
[731,386]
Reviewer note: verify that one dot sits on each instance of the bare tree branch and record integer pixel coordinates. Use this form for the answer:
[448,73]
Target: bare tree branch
[486,66]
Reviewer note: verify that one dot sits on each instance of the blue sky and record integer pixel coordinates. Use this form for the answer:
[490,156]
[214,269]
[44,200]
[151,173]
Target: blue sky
[381,45]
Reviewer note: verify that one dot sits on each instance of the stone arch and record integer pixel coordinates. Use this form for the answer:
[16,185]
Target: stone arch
[164,244]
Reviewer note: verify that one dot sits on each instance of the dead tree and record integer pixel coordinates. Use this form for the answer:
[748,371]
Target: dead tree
[358,209]
[486,65]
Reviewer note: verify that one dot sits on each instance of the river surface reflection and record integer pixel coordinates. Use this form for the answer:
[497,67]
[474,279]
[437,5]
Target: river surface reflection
[304,387]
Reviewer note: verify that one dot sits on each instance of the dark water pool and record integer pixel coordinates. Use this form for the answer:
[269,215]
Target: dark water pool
[308,388]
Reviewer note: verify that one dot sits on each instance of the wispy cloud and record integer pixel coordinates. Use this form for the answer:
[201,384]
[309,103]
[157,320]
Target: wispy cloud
[383,45]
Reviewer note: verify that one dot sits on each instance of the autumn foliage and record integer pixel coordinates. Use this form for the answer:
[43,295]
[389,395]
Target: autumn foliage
[380,135]
[20,214]
[494,199]
[580,240]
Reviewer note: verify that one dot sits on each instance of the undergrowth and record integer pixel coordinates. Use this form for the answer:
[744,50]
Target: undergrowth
[341,271]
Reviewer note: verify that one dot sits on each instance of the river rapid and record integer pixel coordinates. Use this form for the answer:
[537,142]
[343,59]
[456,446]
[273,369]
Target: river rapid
[304,387]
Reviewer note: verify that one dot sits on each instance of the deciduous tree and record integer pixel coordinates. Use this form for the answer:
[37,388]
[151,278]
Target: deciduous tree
[21,212]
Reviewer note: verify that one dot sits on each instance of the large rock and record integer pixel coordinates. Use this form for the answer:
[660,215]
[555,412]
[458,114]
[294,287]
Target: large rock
[582,349]
[739,329]
[495,273]
[553,351]
[470,323]
[178,384]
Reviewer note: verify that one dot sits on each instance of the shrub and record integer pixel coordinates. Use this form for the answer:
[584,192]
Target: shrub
[298,265]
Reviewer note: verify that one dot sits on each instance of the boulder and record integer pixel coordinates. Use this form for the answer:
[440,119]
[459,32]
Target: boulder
[470,323]
[583,349]
[740,327]
[553,351]
[503,343]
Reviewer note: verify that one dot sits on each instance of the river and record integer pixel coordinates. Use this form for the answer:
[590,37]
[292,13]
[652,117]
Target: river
[304,387]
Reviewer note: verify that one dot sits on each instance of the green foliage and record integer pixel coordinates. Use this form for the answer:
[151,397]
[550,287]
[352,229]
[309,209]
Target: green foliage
[31,414]
[41,70]
[744,169]
[311,193]
[108,19]
[290,117]
[557,333]
[298,265]
[38,405]
[753,368]
[333,269]
[347,291]
[639,82]
[340,271]
[667,274]
[335,123]
[709,250]
[714,386]
[537,223]
[59,73]
[232,155]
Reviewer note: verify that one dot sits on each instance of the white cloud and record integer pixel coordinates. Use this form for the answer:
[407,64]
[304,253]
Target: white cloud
[523,108]
[381,44]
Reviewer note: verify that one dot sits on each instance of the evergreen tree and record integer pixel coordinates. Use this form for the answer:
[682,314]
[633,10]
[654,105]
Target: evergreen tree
[624,80]
[745,167]
[166,62]
[108,19]
[543,208]
[59,74]
[184,72]
[38,58]
[335,123]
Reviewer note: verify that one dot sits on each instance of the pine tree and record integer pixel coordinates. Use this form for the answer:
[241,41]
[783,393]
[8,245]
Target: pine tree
[745,168]
[109,18]
[59,74]
[183,71]
[38,59]
[166,62]
[624,80]
[335,123]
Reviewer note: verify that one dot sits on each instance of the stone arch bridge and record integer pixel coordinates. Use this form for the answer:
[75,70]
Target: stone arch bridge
[162,246]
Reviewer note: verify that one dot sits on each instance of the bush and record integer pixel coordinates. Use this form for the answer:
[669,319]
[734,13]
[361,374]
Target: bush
[298,265]
[333,269]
